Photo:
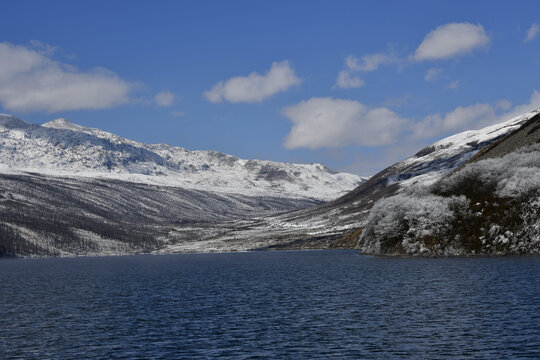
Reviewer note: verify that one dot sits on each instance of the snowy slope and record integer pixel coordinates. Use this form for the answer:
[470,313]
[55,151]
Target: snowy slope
[489,206]
[46,215]
[91,212]
[62,148]
[323,225]
[432,162]
[428,165]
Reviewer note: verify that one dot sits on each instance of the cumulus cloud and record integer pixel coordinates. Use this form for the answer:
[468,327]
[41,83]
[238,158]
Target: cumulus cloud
[416,134]
[345,80]
[533,104]
[30,80]
[503,104]
[471,117]
[450,41]
[445,42]
[459,119]
[366,63]
[254,87]
[328,122]
[334,123]
[44,48]
[433,74]
[533,31]
[164,98]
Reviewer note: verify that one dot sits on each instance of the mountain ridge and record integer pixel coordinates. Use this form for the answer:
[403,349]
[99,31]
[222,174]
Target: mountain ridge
[339,222]
[111,216]
[63,148]
[489,205]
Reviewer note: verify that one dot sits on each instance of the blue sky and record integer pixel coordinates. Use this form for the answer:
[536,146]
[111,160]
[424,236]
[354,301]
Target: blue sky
[356,85]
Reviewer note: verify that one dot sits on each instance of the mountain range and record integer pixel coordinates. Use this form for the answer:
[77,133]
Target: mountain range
[342,223]
[70,190]
[62,148]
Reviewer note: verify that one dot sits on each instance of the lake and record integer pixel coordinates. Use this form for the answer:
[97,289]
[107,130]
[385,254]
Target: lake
[286,304]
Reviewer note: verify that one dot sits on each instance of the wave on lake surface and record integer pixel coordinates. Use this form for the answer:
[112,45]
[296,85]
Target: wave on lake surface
[304,304]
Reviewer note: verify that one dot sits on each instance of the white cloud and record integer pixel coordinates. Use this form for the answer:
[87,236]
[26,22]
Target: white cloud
[459,119]
[434,125]
[462,117]
[333,123]
[346,81]
[451,40]
[503,104]
[471,117]
[368,62]
[328,122]
[30,80]
[533,104]
[44,47]
[178,113]
[533,31]
[433,74]
[164,98]
[254,87]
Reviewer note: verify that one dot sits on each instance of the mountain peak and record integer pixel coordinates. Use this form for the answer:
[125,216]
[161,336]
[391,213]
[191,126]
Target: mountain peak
[62,123]
[60,147]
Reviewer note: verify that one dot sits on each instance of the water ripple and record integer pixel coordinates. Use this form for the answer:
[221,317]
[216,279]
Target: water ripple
[315,305]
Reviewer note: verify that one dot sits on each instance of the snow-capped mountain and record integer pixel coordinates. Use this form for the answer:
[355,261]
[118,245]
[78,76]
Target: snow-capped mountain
[62,148]
[340,222]
[434,161]
[96,211]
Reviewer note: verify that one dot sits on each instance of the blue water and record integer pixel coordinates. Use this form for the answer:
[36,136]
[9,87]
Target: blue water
[295,305]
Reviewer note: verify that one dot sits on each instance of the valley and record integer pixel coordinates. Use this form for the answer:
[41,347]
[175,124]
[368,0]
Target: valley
[67,190]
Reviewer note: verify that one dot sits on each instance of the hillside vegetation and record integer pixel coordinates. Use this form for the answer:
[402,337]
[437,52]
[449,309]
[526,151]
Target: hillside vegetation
[490,206]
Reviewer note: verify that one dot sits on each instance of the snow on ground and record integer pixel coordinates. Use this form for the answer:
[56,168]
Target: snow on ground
[437,159]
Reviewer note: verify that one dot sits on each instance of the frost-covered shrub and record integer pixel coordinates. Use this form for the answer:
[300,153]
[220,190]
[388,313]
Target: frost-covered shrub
[526,236]
[410,223]
[523,181]
[487,207]
[514,175]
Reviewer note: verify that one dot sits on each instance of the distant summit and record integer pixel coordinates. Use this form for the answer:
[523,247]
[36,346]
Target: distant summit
[63,148]
[69,190]
[62,123]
